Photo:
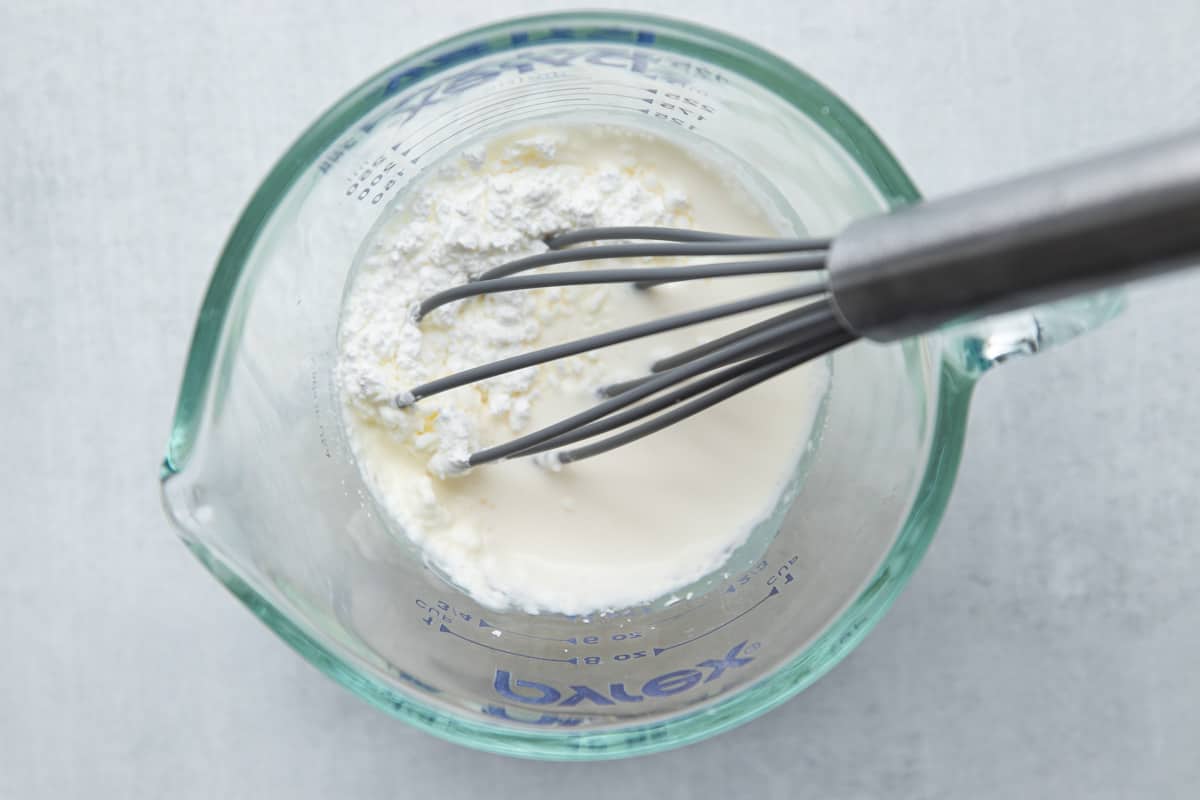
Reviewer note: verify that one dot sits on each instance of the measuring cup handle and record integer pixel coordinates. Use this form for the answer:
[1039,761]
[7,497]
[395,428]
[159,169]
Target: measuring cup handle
[977,346]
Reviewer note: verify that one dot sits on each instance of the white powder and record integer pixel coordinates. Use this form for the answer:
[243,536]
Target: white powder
[513,534]
[469,220]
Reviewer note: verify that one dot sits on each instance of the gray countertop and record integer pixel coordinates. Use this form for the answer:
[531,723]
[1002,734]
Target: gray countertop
[1047,647]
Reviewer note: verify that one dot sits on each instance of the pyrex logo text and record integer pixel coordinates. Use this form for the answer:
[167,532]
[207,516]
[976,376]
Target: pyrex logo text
[516,40]
[664,685]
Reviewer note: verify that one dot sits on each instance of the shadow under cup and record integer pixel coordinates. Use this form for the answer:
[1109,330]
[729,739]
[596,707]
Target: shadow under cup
[262,485]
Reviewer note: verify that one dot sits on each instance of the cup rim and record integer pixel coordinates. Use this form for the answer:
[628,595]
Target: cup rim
[751,63]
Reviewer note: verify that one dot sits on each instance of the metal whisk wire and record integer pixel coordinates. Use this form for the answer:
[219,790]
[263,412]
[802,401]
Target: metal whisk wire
[685,383]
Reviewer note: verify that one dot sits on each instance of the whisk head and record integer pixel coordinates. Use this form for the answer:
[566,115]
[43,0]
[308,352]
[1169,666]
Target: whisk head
[681,385]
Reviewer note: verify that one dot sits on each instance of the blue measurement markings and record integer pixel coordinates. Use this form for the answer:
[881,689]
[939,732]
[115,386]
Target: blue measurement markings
[442,615]
[445,629]
[774,591]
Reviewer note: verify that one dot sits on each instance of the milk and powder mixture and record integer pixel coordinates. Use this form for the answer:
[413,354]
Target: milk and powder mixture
[622,528]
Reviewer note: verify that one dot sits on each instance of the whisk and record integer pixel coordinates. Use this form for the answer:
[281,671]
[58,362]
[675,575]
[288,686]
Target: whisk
[1066,231]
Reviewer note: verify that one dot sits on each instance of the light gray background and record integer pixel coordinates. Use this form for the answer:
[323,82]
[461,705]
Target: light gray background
[1048,647]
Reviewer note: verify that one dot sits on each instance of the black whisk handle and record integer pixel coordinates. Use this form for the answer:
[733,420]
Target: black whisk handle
[1074,229]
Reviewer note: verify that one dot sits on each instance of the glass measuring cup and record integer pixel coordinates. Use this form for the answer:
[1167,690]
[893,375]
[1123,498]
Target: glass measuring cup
[261,484]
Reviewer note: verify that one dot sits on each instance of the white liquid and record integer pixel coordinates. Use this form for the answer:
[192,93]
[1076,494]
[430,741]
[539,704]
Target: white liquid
[619,529]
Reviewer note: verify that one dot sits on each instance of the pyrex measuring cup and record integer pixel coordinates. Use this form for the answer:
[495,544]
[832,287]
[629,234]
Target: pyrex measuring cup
[260,482]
